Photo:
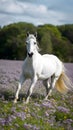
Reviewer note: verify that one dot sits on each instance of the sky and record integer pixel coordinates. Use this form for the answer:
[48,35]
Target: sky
[38,12]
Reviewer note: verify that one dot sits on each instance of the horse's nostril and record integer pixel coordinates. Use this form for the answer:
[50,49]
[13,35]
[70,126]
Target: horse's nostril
[30,54]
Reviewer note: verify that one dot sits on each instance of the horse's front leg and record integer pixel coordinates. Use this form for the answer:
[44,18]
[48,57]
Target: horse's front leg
[22,79]
[34,80]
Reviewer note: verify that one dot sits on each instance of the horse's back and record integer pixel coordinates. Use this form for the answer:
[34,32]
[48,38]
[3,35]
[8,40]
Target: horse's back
[51,58]
[53,63]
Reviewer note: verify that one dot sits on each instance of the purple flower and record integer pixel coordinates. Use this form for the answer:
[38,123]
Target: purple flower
[31,127]
[36,104]
[47,104]
[68,121]
[7,121]
[46,113]
[2,121]
[21,115]
[63,109]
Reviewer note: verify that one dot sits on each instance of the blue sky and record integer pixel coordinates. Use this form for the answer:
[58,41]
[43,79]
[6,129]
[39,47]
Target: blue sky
[56,12]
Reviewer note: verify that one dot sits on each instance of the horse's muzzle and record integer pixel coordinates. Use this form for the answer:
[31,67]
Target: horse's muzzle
[30,54]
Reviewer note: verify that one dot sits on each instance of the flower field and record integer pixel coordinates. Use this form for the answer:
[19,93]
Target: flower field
[56,113]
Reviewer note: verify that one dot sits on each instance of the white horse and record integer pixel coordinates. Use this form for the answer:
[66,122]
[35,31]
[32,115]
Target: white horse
[37,66]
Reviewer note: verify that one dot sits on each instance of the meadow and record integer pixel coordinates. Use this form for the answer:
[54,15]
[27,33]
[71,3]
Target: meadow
[56,113]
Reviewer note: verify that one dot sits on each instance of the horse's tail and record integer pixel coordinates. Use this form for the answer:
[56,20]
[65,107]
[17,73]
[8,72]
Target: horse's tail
[64,83]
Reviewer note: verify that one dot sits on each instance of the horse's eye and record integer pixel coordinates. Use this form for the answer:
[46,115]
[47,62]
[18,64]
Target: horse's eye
[34,42]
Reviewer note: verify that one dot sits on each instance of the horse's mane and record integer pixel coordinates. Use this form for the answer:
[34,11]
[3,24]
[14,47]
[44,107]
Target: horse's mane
[32,36]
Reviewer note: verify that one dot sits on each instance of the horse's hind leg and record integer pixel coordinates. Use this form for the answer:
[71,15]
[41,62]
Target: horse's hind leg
[19,87]
[52,85]
[47,85]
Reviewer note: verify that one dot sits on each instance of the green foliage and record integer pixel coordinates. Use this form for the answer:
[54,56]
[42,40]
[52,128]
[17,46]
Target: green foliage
[57,40]
[67,31]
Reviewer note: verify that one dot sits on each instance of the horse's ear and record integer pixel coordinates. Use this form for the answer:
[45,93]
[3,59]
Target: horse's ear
[27,34]
[35,34]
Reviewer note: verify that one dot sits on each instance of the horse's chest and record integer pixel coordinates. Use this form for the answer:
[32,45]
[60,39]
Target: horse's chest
[28,71]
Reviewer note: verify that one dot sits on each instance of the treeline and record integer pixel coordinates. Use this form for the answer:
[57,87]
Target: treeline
[57,40]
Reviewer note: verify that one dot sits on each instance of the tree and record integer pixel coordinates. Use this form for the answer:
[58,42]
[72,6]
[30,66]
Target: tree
[57,40]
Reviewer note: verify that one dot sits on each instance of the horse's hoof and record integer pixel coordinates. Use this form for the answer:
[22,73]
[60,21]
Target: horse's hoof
[26,102]
[45,99]
[15,101]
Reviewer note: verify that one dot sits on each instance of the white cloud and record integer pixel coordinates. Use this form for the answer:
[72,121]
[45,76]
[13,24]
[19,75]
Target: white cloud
[40,13]
[11,6]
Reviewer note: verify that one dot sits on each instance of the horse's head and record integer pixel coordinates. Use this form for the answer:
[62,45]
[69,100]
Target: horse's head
[31,44]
